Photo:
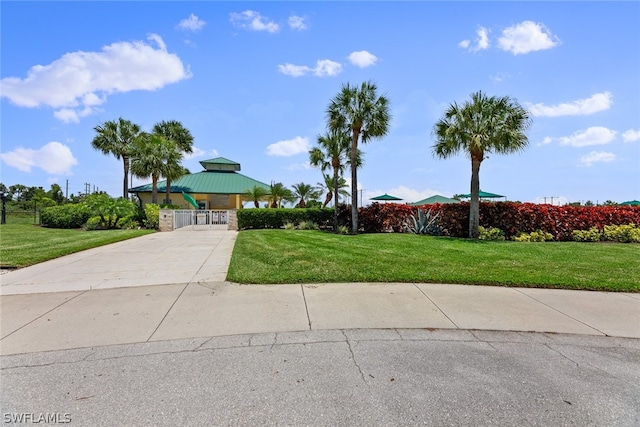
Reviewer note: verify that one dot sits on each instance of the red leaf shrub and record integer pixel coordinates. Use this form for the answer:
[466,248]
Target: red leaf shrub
[510,217]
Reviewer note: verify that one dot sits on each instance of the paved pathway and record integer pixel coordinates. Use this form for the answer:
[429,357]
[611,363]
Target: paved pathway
[168,286]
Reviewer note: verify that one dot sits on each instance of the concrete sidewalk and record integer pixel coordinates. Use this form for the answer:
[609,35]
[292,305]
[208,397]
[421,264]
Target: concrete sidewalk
[169,286]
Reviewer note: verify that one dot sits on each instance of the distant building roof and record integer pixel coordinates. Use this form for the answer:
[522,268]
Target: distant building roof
[435,199]
[219,177]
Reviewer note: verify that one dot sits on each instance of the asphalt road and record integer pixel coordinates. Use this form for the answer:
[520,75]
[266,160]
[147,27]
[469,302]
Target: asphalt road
[392,377]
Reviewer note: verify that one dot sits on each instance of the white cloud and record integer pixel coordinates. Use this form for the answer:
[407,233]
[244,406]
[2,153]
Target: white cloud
[362,58]
[582,107]
[293,70]
[252,20]
[199,152]
[327,67]
[631,135]
[79,81]
[526,37]
[481,41]
[324,67]
[53,158]
[289,147]
[297,23]
[192,23]
[299,167]
[597,157]
[595,135]
[500,77]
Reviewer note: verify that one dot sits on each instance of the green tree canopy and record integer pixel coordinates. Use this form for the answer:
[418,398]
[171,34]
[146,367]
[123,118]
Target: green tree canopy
[364,115]
[117,137]
[478,127]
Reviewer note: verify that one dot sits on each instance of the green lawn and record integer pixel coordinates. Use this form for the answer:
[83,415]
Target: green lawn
[279,256]
[27,244]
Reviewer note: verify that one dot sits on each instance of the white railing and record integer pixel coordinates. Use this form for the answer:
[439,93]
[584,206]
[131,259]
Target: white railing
[201,219]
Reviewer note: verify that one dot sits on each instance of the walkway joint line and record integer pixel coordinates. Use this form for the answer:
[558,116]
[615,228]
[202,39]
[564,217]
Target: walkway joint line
[168,311]
[306,308]
[434,303]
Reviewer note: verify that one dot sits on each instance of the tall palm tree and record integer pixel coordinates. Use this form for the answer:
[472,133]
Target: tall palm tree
[256,194]
[173,130]
[364,115]
[478,127]
[304,192]
[117,137]
[155,156]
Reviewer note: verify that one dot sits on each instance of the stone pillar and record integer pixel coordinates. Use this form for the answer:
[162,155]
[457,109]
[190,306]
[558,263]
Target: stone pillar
[166,220]
[233,219]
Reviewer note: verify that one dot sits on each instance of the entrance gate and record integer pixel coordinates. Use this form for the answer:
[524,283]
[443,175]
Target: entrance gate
[201,219]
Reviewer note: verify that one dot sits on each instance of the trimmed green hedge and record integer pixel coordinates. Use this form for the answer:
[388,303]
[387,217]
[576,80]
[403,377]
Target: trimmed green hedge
[65,216]
[277,218]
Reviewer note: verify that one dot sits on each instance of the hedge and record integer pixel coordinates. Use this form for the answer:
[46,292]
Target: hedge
[277,218]
[65,216]
[511,217]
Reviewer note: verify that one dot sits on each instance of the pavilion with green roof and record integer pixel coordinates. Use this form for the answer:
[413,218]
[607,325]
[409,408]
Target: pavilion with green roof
[218,186]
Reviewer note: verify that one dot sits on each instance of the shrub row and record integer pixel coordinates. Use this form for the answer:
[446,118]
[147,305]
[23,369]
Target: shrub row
[277,218]
[511,217]
[65,216]
[629,233]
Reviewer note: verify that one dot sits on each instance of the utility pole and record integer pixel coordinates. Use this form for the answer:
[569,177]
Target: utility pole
[66,193]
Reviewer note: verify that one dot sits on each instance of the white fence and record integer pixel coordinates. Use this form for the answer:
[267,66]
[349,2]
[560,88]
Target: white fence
[201,219]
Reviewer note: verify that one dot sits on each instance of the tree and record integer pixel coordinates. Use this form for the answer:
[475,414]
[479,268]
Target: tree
[256,194]
[304,192]
[328,185]
[278,193]
[117,137]
[154,156]
[363,115]
[332,152]
[173,130]
[478,127]
[56,194]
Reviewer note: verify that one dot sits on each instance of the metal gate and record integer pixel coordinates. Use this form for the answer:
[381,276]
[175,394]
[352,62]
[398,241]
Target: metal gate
[201,219]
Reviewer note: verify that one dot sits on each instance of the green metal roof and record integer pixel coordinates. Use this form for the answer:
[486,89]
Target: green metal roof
[220,160]
[220,164]
[207,182]
[435,199]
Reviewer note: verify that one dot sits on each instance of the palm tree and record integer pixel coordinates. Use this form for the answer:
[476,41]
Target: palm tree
[332,151]
[117,137]
[364,115]
[256,194]
[304,192]
[481,126]
[278,193]
[155,156]
[328,185]
[173,130]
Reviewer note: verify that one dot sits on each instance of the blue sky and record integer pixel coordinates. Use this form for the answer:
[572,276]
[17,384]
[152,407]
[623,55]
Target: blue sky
[252,81]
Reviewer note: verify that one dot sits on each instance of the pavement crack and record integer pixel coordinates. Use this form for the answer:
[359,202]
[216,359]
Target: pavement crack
[353,357]
[481,340]
[564,356]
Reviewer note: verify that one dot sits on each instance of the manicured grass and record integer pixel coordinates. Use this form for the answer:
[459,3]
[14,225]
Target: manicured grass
[22,245]
[287,256]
